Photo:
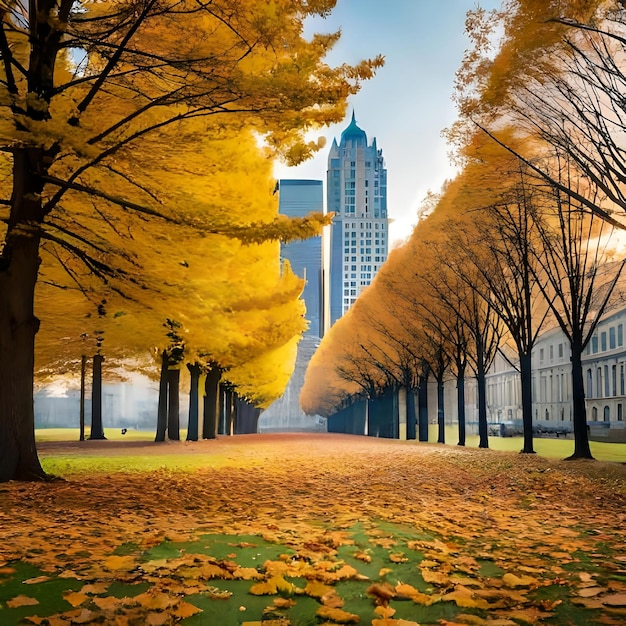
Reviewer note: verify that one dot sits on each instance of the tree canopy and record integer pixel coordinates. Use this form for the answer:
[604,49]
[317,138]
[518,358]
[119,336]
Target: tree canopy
[111,116]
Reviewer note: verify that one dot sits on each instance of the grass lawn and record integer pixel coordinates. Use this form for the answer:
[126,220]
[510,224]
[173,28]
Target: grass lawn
[551,448]
[312,529]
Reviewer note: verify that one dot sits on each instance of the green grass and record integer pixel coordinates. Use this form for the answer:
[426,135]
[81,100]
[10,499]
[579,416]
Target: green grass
[86,460]
[73,434]
[550,448]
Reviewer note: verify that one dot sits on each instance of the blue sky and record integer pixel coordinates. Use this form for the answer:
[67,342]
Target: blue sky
[408,103]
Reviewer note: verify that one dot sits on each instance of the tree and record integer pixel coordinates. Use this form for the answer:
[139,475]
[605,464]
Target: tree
[577,281]
[558,79]
[157,70]
[503,252]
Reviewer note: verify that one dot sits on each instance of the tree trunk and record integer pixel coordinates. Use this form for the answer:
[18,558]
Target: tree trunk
[228,411]
[581,434]
[97,430]
[410,414]
[441,423]
[162,408]
[173,404]
[527,402]
[460,400]
[221,421]
[192,426]
[19,266]
[422,402]
[211,404]
[481,385]
[83,367]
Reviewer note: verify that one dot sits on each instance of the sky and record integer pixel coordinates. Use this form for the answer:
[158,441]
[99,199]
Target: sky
[408,103]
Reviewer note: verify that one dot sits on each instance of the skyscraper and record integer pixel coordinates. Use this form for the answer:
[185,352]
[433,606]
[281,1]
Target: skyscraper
[298,198]
[357,194]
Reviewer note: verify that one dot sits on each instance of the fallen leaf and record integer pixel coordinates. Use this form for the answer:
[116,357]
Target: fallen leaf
[338,615]
[116,562]
[511,580]
[109,603]
[588,592]
[616,599]
[75,598]
[21,601]
[36,580]
[184,609]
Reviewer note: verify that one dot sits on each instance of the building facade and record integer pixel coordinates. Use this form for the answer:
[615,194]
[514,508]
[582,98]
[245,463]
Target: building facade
[298,198]
[357,195]
[604,371]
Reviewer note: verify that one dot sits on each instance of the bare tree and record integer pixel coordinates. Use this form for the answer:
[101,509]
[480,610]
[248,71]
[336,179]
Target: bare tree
[504,255]
[576,280]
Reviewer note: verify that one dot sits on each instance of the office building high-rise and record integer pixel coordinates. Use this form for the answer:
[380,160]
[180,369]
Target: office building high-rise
[357,194]
[298,198]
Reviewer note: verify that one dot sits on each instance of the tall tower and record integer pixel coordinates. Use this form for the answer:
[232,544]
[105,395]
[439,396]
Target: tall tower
[298,198]
[357,194]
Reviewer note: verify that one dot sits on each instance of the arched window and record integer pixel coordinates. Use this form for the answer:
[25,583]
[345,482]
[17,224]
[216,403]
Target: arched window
[607,414]
[589,383]
[594,414]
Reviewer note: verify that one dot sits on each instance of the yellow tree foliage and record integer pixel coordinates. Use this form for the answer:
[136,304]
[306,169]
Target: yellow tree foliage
[103,104]
[234,300]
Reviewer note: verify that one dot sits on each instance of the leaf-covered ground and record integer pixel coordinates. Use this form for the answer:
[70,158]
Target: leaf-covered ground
[313,529]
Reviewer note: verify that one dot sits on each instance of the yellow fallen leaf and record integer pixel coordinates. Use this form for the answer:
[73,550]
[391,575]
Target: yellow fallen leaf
[264,588]
[284,603]
[34,581]
[79,616]
[332,599]
[362,556]
[110,603]
[345,572]
[210,570]
[95,588]
[385,611]
[158,601]
[411,593]
[157,619]
[316,589]
[435,578]
[246,573]
[397,557]
[184,609]
[75,598]
[21,601]
[272,586]
[511,580]
[337,615]
[465,598]
[116,562]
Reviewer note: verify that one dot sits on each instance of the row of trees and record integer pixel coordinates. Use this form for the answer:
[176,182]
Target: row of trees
[523,238]
[135,192]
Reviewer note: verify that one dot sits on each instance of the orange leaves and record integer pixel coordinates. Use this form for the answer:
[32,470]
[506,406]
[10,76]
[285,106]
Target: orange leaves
[21,601]
[470,561]
[337,615]
[511,580]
